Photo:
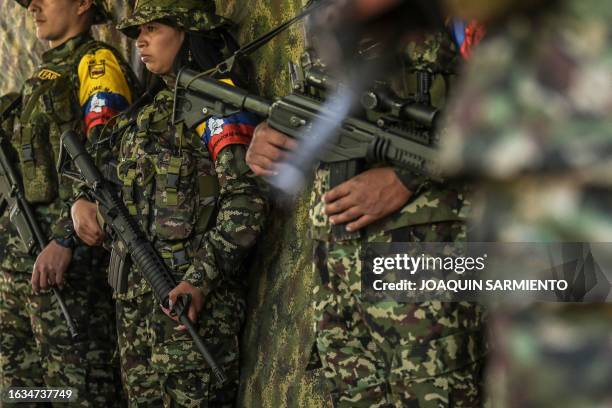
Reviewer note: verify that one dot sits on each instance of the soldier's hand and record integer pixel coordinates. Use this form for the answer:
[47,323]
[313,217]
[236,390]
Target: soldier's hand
[366,198]
[267,148]
[195,306]
[50,266]
[86,225]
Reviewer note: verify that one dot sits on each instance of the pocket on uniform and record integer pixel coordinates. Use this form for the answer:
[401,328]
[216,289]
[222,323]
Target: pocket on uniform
[443,372]
[462,388]
[176,196]
[40,178]
[62,102]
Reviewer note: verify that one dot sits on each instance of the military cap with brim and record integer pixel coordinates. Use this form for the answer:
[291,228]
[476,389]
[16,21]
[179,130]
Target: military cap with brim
[101,16]
[190,15]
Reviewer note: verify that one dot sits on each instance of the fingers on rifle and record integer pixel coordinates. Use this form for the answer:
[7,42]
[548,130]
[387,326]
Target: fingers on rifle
[283,141]
[341,205]
[345,216]
[260,171]
[35,279]
[336,193]
[59,279]
[193,314]
[42,281]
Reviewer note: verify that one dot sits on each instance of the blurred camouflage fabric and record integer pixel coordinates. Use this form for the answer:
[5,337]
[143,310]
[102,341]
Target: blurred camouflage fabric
[535,134]
[278,336]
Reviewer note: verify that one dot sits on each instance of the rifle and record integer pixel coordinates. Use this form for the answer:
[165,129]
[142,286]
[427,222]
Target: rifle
[125,229]
[401,133]
[21,215]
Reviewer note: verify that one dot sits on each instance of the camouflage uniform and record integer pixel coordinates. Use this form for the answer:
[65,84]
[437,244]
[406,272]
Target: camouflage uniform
[531,123]
[21,369]
[383,352]
[196,199]
[79,85]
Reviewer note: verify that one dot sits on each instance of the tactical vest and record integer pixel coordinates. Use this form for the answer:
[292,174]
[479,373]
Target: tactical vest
[50,107]
[168,178]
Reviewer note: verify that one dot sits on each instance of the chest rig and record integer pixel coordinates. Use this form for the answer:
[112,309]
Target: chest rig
[50,107]
[168,181]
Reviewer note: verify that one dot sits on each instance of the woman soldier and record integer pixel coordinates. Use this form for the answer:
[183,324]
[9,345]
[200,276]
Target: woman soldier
[193,194]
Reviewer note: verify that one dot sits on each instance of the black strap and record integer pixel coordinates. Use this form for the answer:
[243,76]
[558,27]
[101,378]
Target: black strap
[226,66]
[12,106]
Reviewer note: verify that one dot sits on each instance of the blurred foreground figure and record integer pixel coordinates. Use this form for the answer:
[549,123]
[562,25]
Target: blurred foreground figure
[532,127]
[376,351]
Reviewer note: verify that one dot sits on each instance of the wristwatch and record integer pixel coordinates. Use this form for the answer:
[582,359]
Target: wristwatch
[68,241]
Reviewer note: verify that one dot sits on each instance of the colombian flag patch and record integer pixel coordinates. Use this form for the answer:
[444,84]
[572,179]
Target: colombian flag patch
[219,132]
[104,91]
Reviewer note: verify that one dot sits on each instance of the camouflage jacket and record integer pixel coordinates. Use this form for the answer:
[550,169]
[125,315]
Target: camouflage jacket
[79,86]
[436,53]
[536,130]
[194,196]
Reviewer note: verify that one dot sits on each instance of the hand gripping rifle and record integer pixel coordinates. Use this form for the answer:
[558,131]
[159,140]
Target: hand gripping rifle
[21,215]
[124,228]
[393,130]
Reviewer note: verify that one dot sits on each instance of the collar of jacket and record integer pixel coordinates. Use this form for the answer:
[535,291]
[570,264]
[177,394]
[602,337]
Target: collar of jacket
[67,49]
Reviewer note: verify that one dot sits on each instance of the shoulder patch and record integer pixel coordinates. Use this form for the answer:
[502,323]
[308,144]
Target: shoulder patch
[48,75]
[103,90]
[219,132]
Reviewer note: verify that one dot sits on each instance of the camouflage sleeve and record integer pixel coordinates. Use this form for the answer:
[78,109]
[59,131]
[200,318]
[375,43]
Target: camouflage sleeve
[410,180]
[63,227]
[104,91]
[242,213]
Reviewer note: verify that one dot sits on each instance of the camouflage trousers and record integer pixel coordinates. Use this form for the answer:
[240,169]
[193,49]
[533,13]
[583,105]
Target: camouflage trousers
[20,364]
[553,355]
[160,365]
[384,353]
[36,346]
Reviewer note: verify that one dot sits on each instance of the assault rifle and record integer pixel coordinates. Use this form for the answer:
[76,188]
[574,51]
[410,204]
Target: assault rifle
[21,215]
[125,229]
[390,129]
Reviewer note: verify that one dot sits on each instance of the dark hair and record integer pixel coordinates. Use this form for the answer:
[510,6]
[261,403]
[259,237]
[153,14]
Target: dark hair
[202,51]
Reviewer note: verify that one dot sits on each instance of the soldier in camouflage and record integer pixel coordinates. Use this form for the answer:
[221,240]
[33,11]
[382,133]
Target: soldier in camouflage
[388,353]
[21,368]
[531,124]
[194,196]
[79,86]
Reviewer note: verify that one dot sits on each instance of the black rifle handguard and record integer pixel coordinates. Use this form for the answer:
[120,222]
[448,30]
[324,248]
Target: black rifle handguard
[124,227]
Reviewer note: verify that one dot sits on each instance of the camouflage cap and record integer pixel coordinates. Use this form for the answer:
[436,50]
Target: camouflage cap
[190,15]
[102,15]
